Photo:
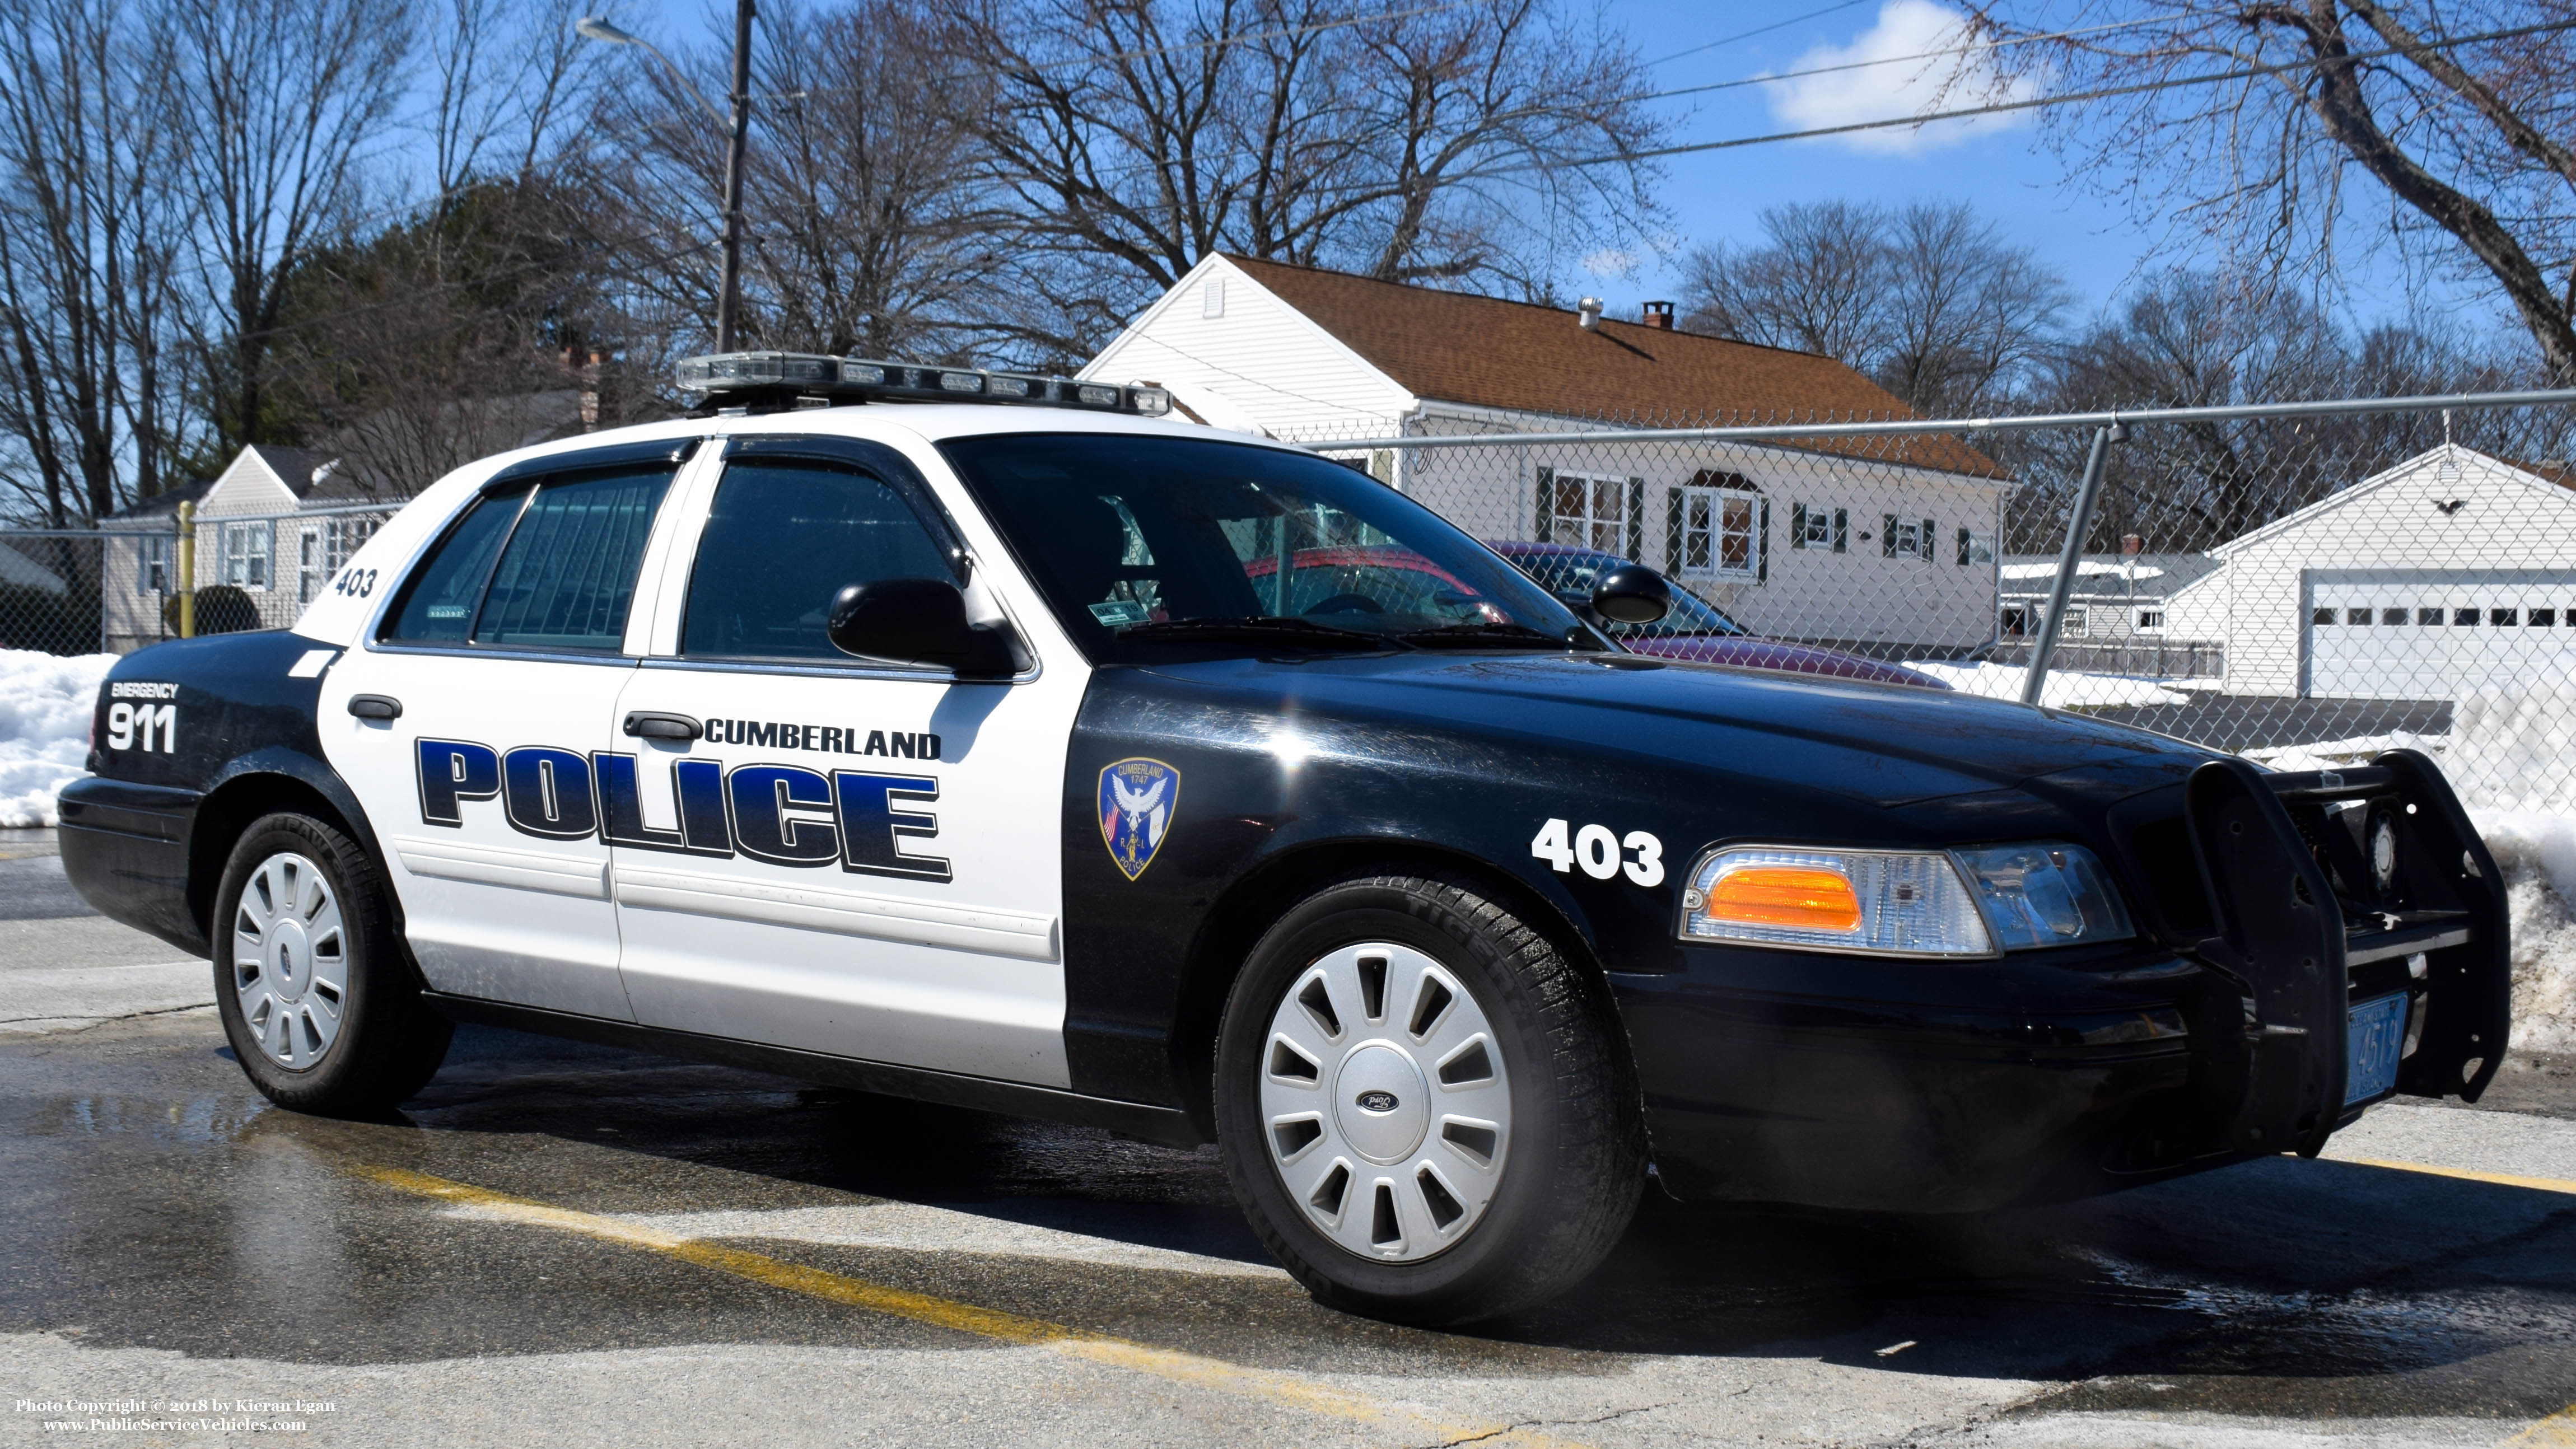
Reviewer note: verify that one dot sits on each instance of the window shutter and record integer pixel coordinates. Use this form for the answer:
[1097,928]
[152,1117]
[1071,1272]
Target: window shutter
[1797,525]
[1543,519]
[1672,530]
[1762,545]
[1842,529]
[1963,548]
[1931,550]
[1887,536]
[1637,519]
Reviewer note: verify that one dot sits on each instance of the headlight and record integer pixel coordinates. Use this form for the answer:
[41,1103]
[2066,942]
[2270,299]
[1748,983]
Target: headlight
[1880,903]
[2046,893]
[1961,903]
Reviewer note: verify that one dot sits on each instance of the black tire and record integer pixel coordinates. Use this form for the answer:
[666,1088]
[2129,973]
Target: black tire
[1575,1164]
[388,1042]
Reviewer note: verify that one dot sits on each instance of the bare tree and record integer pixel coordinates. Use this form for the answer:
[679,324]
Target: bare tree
[87,396]
[1414,146]
[2458,113]
[278,102]
[1931,301]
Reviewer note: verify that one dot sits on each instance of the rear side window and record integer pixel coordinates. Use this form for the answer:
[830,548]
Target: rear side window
[782,539]
[547,567]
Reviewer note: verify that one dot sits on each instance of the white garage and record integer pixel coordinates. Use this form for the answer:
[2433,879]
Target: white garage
[2450,571]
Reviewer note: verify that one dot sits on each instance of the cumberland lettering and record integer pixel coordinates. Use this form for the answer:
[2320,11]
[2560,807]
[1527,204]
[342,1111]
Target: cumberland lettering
[823,739]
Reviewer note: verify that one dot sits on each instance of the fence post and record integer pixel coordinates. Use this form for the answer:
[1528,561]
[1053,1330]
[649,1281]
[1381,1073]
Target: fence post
[187,570]
[2078,524]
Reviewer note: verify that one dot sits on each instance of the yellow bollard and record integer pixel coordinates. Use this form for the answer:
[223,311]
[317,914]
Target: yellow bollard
[187,570]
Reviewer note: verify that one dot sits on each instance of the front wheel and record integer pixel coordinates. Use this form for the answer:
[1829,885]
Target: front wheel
[315,998]
[1421,1107]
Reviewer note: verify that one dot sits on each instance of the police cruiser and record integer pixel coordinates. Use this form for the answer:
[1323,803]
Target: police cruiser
[987,739]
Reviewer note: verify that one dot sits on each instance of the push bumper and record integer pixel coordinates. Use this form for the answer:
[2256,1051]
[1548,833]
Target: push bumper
[1883,1085]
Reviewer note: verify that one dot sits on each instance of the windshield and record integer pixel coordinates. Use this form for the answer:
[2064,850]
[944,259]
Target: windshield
[1571,573]
[1148,545]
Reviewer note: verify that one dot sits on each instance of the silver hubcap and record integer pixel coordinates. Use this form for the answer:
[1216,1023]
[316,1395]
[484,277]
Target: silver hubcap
[290,961]
[1387,1110]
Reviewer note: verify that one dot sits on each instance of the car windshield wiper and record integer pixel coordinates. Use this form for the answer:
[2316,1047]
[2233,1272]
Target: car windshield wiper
[1258,626]
[1477,635]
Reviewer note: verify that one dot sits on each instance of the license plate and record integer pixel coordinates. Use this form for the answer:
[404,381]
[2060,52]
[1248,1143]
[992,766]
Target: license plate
[2374,1034]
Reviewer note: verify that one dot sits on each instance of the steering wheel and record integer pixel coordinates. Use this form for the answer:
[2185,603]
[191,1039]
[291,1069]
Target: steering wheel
[1348,604]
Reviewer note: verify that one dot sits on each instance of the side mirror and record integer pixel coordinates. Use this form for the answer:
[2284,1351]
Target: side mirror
[917,621]
[1632,594]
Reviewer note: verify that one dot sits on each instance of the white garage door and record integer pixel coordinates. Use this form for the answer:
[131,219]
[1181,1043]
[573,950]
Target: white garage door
[2433,633]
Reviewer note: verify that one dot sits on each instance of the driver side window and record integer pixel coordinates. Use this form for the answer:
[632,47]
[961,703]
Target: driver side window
[783,538]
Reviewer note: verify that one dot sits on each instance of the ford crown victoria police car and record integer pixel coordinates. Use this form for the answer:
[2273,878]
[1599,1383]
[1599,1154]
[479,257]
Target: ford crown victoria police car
[1031,754]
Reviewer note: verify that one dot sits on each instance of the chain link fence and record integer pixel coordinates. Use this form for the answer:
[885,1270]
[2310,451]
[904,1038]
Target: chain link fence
[2304,584]
[129,583]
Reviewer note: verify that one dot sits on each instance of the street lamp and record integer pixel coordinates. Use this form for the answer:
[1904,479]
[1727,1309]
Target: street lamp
[729,293]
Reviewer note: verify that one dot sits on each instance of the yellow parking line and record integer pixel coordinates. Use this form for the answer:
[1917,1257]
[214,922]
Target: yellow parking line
[2554,1432]
[1191,1369]
[2503,1179]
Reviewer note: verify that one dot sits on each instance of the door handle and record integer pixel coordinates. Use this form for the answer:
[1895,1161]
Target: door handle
[375,706]
[649,725]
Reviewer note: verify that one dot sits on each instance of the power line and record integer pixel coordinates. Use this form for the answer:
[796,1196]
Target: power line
[1971,47]
[1759,30]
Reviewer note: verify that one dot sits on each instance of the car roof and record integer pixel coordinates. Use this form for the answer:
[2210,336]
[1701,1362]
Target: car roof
[888,421]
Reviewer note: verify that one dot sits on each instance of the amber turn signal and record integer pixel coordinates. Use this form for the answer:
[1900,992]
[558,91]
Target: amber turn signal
[1786,895]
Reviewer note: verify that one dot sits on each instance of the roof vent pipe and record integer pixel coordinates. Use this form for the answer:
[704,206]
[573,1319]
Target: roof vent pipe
[1588,313]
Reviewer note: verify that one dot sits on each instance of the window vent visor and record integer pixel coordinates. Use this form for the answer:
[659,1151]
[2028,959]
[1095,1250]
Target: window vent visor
[1879,903]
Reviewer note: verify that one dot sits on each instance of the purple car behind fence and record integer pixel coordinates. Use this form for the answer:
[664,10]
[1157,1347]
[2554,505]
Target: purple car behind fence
[1695,629]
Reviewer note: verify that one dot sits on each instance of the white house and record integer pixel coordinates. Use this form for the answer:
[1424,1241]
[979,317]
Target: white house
[248,536]
[1889,542]
[2449,571]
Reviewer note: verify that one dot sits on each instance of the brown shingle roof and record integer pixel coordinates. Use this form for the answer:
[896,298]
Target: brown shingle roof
[1486,352]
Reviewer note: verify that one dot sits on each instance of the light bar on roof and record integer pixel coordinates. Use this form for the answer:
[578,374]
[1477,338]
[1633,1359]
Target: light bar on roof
[804,379]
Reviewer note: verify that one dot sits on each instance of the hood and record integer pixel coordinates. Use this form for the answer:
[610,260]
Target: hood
[1747,651]
[1883,744]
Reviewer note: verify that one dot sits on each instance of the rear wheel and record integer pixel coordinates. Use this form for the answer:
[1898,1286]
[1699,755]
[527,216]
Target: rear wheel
[1421,1106]
[309,978]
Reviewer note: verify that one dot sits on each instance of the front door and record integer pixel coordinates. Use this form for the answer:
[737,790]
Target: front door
[816,853]
[505,657]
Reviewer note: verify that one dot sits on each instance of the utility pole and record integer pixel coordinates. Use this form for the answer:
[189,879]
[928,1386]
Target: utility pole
[729,300]
[737,132]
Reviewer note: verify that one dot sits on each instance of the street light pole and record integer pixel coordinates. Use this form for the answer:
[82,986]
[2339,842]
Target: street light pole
[738,129]
[729,300]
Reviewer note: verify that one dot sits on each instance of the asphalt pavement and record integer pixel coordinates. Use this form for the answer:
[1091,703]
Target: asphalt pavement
[565,1243]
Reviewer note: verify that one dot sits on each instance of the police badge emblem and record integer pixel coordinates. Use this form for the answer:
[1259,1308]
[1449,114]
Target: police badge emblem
[1137,798]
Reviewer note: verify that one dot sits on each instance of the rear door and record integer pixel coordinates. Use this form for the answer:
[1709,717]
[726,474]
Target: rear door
[505,654]
[817,852]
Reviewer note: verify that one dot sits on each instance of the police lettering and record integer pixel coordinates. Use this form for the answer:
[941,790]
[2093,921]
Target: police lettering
[779,814]
[822,739]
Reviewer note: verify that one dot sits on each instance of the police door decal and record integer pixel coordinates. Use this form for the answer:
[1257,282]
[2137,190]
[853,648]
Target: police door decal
[777,814]
[1137,798]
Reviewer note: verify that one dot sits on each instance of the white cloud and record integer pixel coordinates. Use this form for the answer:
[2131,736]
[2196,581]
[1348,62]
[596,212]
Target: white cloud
[1901,87]
[1612,264]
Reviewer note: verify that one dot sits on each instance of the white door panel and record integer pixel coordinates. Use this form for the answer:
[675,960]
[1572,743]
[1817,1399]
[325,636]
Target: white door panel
[492,910]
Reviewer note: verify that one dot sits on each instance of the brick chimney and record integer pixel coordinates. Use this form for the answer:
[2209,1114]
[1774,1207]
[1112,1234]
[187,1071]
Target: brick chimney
[1659,315]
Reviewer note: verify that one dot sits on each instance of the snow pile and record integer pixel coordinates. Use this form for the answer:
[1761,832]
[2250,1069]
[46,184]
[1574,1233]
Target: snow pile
[2513,760]
[2066,689]
[45,704]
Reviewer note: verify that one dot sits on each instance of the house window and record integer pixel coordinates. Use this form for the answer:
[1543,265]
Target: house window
[2464,618]
[323,548]
[1975,548]
[2542,618]
[2151,621]
[2503,618]
[2015,621]
[1721,532]
[1591,512]
[152,565]
[2076,622]
[2322,616]
[2392,616]
[1906,537]
[2356,616]
[2428,616]
[244,553]
[1822,528]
